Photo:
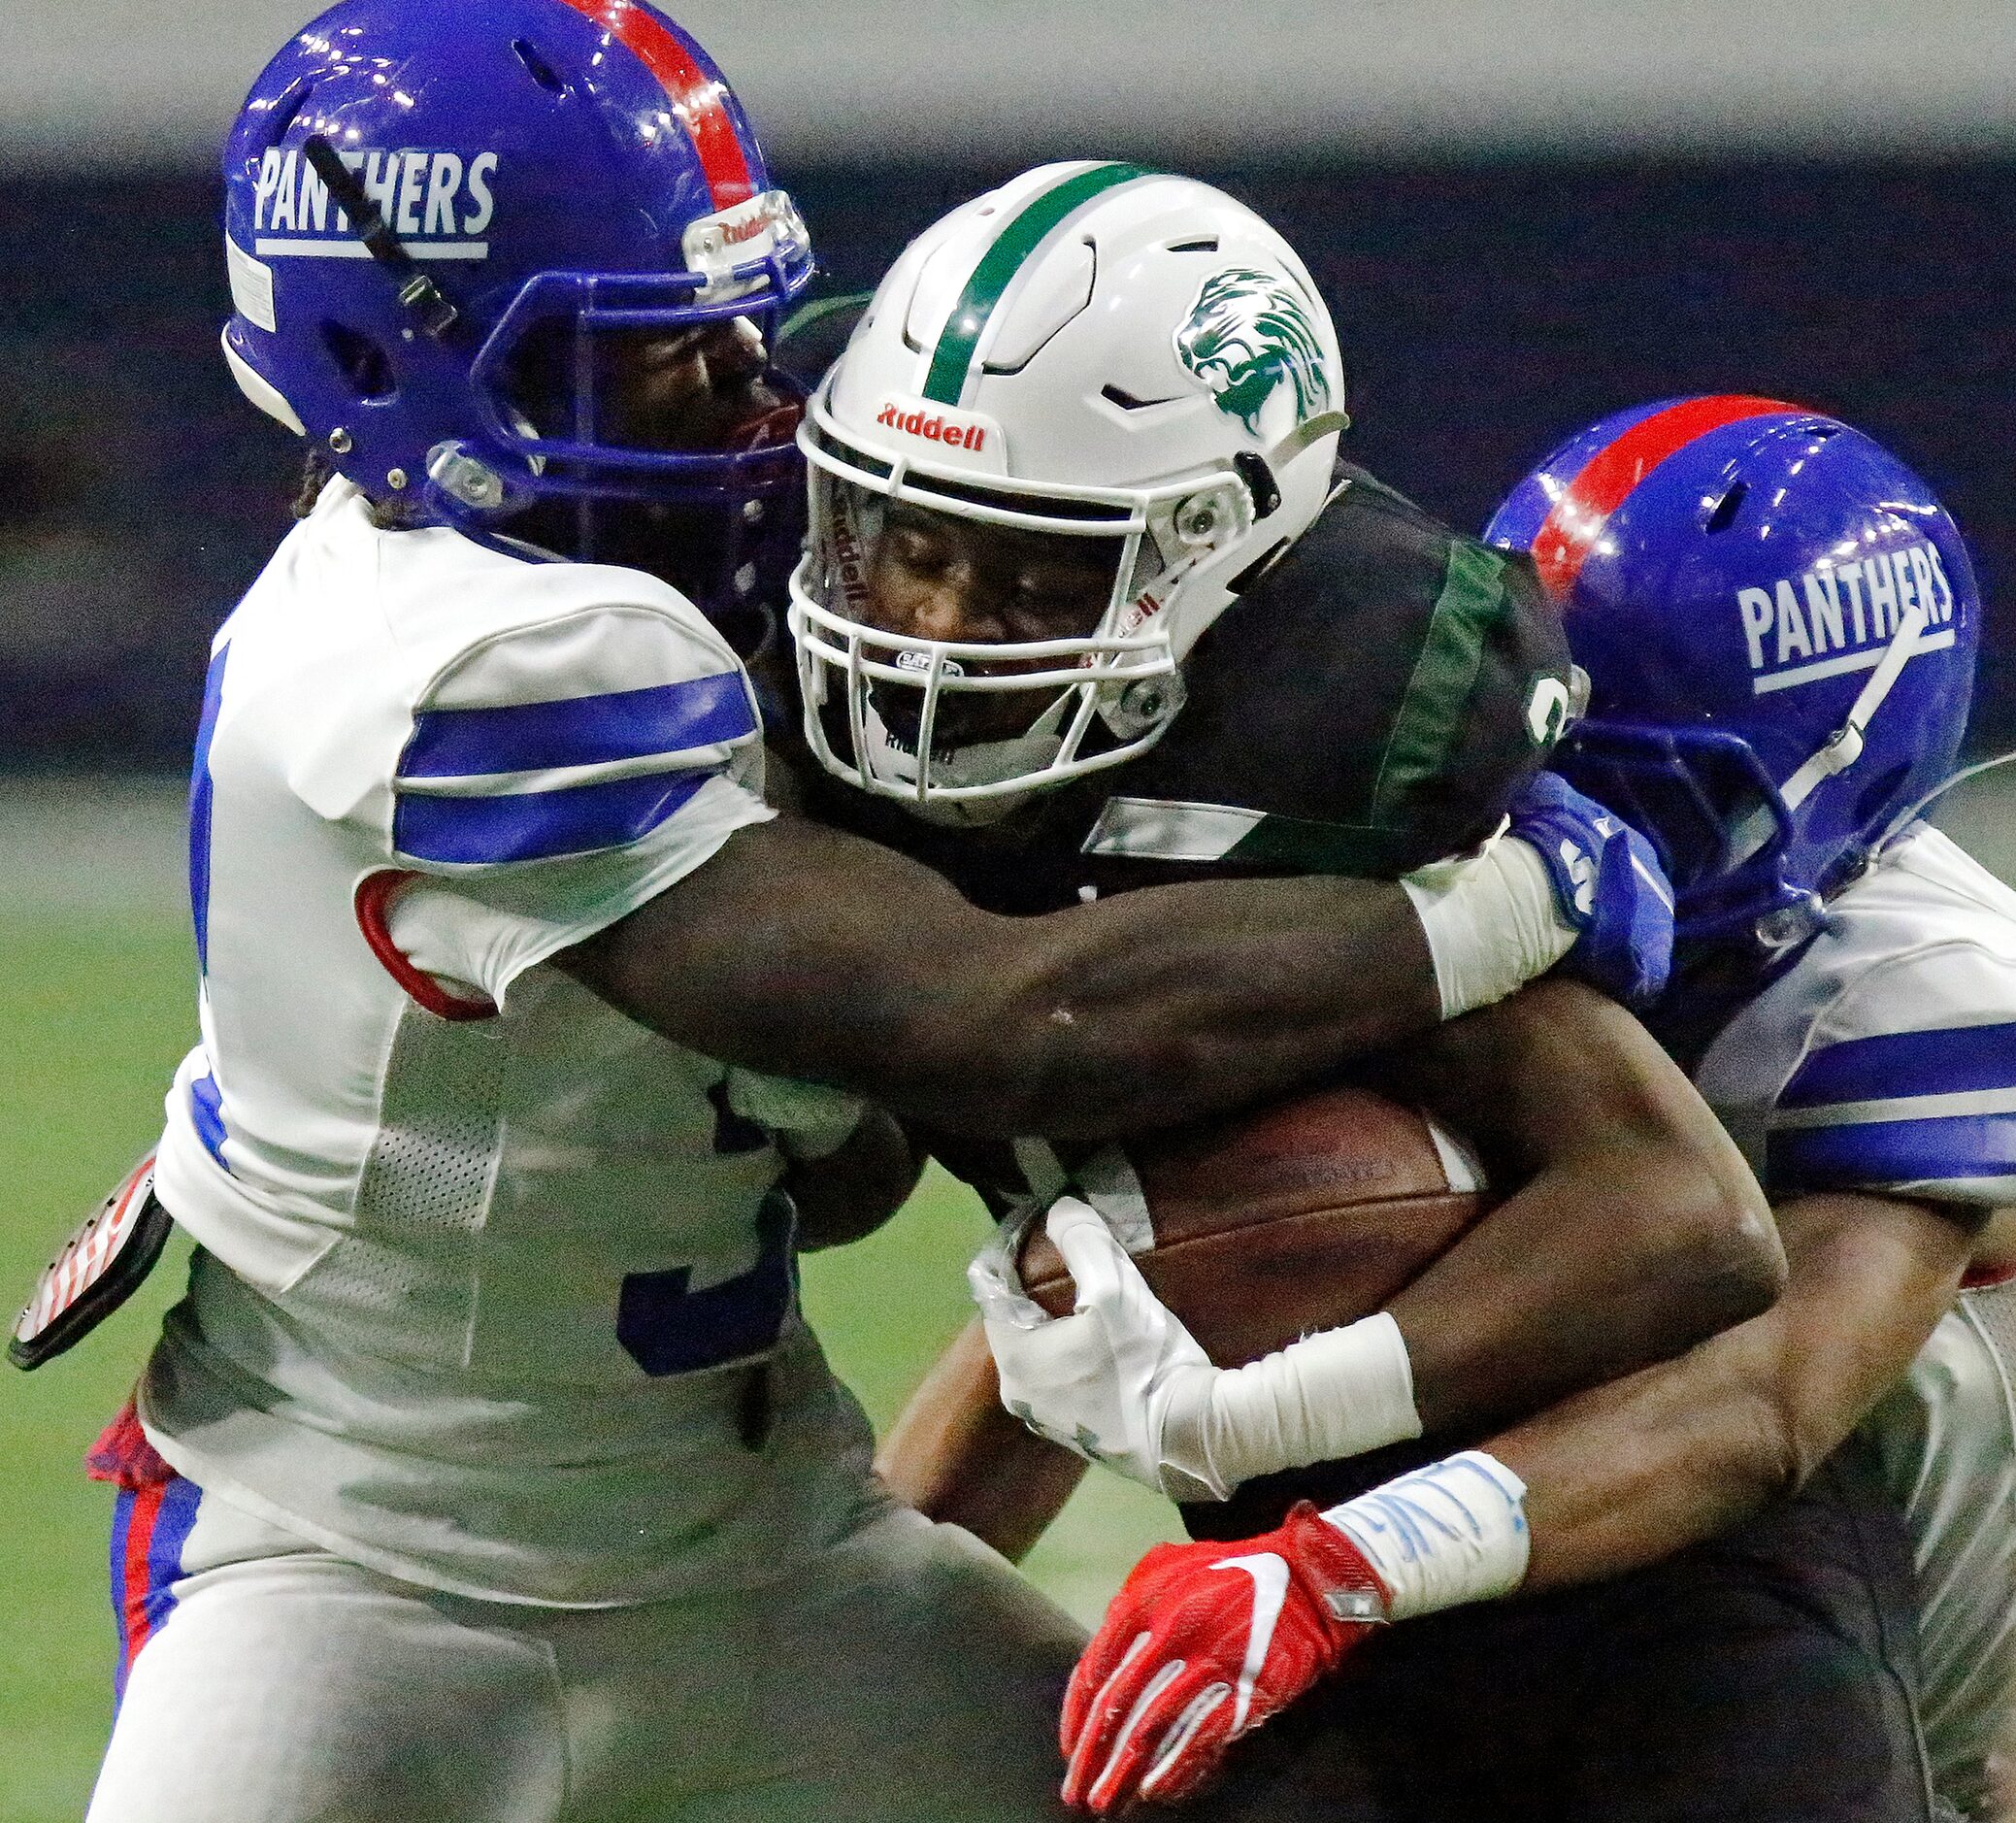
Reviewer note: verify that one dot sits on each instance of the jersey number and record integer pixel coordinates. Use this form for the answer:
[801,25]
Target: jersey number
[665,1327]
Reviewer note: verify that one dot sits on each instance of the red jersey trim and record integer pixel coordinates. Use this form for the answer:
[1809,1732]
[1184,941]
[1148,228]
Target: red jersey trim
[373,904]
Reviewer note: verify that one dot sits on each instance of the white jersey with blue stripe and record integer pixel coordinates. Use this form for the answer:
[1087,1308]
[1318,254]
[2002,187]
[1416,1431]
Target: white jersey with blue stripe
[493,1296]
[1885,1058]
[1884,1061]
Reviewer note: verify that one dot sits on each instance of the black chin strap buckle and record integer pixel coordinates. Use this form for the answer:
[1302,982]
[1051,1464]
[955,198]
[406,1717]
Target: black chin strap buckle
[1260,481]
[417,292]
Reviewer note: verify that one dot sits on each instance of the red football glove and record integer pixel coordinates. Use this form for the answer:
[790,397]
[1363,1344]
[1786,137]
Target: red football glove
[1203,1643]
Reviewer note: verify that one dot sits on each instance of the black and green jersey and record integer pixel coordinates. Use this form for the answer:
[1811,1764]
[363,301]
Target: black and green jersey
[1369,705]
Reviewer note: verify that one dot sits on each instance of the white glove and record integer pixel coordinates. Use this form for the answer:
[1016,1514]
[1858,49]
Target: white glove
[1123,1382]
[1114,1380]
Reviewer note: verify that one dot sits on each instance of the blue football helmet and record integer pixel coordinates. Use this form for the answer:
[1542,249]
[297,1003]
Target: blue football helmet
[1779,625]
[426,200]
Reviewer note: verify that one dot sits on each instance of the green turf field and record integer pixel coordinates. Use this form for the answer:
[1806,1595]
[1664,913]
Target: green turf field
[96,1008]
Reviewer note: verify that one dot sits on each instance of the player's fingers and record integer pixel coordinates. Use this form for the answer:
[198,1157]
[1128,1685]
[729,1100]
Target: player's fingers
[1644,864]
[1192,1747]
[1165,1701]
[1097,1262]
[1110,1651]
[997,1296]
[1055,1370]
[1107,1744]
[1122,1632]
[1112,1290]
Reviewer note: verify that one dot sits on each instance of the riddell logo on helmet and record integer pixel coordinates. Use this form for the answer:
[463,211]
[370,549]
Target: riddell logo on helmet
[1139,613]
[934,427]
[849,572]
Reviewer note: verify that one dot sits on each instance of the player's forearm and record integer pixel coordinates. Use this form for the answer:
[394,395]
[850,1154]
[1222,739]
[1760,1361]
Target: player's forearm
[1555,1073]
[803,952]
[1629,1473]
[1629,1183]
[1142,1016]
[956,1456]
[1553,1291]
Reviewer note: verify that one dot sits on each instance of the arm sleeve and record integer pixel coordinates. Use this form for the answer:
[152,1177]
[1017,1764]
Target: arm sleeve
[560,775]
[1907,1087]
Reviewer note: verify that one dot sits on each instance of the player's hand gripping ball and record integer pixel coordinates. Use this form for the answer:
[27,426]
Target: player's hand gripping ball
[1608,884]
[1203,1643]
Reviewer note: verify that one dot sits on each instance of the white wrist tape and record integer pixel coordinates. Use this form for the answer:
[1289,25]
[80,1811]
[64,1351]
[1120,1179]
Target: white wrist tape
[1492,922]
[1321,1399]
[1451,1533]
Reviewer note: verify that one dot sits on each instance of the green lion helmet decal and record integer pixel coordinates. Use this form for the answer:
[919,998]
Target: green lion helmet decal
[1246,333]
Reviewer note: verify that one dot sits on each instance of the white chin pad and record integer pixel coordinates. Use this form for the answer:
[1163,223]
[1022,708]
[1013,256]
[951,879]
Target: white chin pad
[984,763]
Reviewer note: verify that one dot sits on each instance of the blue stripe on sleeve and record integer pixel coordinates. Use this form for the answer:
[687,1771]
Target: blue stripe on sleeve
[1877,1152]
[206,1111]
[1944,1062]
[579,730]
[536,825]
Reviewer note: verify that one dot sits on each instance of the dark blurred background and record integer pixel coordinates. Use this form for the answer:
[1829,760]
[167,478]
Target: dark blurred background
[1524,217]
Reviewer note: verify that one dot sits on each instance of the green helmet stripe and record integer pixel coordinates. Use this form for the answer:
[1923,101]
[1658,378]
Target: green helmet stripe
[953,358]
[1431,715]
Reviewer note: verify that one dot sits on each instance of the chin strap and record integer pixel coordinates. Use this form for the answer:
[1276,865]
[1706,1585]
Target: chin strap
[1311,430]
[417,292]
[1917,807]
[1843,747]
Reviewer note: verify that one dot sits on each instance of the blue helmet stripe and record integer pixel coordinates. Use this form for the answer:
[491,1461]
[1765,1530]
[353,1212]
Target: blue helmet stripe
[1950,1060]
[580,730]
[537,825]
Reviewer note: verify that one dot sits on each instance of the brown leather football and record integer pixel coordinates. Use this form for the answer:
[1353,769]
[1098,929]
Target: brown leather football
[1308,1213]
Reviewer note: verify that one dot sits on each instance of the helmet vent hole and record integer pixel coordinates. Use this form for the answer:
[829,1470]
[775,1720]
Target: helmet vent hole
[1726,508]
[1821,433]
[1126,400]
[537,68]
[362,360]
[287,109]
[1193,246]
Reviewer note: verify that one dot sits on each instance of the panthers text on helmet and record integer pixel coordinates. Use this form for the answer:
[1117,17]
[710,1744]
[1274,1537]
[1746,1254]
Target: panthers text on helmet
[1851,609]
[435,201]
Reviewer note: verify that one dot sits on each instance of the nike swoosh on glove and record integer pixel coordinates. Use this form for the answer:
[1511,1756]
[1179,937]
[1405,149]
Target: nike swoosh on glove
[1203,1643]
[1608,885]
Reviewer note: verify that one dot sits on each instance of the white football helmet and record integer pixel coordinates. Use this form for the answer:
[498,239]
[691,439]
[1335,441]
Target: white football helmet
[1092,351]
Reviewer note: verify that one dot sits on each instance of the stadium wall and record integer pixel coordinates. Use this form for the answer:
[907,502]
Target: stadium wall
[1486,308]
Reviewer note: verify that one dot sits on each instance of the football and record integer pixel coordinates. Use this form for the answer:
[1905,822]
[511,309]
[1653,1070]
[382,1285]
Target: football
[1308,1213]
